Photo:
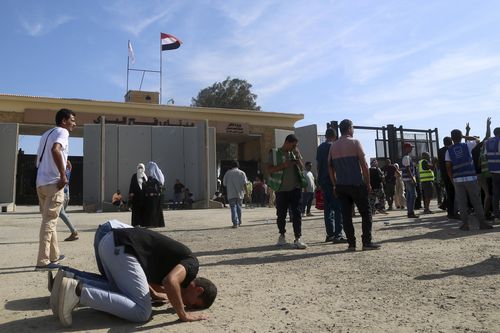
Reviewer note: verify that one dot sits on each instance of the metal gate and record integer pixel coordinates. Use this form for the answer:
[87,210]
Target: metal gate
[390,139]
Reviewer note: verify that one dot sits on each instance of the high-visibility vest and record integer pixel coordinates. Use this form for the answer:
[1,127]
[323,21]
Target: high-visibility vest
[404,173]
[425,175]
[275,178]
[493,154]
[461,160]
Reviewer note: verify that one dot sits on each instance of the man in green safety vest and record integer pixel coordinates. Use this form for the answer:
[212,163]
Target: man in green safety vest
[426,180]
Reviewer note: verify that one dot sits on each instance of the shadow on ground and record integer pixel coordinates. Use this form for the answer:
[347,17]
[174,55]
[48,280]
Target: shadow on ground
[84,319]
[490,266]
[440,230]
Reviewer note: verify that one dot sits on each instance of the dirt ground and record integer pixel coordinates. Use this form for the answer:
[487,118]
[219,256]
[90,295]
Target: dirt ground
[428,277]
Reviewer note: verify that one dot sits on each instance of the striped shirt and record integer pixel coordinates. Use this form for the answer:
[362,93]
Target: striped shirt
[345,154]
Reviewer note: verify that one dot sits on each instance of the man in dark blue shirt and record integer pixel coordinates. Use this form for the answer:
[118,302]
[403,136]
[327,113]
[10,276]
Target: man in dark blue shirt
[332,210]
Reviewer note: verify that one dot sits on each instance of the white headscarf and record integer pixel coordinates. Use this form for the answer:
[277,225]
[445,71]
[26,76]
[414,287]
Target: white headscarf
[141,176]
[154,171]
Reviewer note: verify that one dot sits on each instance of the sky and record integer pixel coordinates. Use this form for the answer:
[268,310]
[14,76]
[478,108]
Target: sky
[420,64]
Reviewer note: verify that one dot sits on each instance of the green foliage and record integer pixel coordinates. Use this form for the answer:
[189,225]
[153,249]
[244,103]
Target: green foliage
[231,94]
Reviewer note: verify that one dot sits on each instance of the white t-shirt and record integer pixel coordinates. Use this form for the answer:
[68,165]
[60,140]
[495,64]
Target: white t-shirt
[47,169]
[311,187]
[235,181]
[406,161]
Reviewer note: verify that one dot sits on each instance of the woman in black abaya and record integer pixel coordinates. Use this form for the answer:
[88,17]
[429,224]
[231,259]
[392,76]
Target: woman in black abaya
[152,197]
[136,196]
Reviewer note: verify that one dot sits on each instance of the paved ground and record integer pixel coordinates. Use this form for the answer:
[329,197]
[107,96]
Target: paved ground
[428,277]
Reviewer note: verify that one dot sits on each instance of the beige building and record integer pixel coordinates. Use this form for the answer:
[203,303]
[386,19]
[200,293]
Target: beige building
[238,134]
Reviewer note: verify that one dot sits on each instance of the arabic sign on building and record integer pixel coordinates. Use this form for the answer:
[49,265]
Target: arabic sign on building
[33,116]
[232,128]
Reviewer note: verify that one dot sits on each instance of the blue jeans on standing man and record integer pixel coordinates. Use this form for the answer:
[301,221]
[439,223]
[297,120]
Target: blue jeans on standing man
[411,195]
[332,211]
[235,205]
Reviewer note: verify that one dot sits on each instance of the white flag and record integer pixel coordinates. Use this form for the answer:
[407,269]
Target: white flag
[131,54]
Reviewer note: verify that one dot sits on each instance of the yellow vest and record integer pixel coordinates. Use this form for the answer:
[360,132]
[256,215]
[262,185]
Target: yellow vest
[425,175]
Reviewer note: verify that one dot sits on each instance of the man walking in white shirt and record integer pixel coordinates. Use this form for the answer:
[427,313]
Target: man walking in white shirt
[51,179]
[235,182]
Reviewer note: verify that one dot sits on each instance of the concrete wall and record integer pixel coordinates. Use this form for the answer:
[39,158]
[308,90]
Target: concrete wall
[178,151]
[279,137]
[8,165]
[308,142]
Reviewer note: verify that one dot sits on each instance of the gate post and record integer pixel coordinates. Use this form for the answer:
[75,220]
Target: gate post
[392,139]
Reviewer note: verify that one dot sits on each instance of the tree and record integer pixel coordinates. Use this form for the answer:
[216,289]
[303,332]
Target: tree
[231,94]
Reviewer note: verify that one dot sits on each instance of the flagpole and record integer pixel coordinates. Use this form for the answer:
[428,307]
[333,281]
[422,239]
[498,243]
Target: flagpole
[161,66]
[128,63]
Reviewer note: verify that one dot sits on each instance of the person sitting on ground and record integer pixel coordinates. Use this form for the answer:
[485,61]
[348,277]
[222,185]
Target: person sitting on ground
[219,198]
[116,200]
[137,266]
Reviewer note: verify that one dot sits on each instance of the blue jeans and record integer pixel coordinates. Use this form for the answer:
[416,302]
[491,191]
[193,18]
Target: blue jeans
[411,195]
[332,211]
[235,206]
[122,289]
[65,218]
[124,292]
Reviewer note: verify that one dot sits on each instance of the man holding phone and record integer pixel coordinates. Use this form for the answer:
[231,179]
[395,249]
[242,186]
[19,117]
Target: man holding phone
[287,180]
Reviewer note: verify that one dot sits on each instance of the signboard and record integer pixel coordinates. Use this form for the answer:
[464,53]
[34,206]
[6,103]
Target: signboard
[232,128]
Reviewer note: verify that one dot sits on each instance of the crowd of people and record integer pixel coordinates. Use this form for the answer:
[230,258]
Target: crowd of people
[138,266]
[464,178]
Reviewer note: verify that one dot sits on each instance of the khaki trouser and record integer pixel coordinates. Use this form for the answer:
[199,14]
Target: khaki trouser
[50,199]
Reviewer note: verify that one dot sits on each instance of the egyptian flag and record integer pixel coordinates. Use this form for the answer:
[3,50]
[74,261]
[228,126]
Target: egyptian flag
[169,42]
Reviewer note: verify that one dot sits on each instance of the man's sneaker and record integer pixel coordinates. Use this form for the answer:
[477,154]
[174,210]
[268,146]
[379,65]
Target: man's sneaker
[351,248]
[281,240]
[370,246]
[234,226]
[68,300]
[72,237]
[51,278]
[310,214]
[299,244]
[339,240]
[56,284]
[428,211]
[413,216]
[50,267]
[329,239]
